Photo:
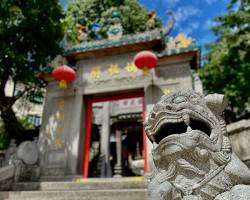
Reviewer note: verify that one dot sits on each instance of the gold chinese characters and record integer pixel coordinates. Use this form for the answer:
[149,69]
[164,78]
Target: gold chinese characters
[112,70]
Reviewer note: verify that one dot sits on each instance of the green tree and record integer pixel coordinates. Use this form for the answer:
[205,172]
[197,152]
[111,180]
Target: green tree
[90,12]
[30,32]
[228,60]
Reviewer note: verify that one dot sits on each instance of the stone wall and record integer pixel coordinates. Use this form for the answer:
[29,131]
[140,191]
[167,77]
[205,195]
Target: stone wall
[239,134]
[62,132]
[59,136]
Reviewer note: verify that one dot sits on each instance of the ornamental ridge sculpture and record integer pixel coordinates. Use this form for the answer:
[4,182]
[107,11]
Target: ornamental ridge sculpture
[191,150]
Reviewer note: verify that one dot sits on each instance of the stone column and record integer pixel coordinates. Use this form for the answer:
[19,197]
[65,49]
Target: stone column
[105,140]
[118,165]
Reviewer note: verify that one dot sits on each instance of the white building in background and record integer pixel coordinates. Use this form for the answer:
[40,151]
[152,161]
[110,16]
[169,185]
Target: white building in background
[32,108]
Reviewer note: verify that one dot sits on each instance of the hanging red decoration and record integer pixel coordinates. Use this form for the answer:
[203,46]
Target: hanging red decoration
[64,75]
[145,60]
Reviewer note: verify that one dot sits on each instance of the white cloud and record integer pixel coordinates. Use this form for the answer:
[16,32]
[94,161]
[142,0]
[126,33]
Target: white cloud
[210,2]
[167,4]
[170,2]
[208,24]
[186,30]
[195,25]
[189,28]
[183,13]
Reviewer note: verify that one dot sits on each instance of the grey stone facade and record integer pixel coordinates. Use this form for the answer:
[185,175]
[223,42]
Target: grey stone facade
[104,72]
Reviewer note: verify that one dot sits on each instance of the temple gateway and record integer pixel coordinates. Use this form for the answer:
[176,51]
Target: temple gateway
[94,126]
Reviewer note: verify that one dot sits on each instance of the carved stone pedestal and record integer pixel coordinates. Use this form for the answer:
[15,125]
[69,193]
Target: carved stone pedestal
[117,171]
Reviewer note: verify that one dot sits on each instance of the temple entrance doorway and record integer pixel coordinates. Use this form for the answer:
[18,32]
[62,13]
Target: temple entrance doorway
[115,141]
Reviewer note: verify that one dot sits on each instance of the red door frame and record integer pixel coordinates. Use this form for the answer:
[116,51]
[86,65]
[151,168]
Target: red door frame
[94,99]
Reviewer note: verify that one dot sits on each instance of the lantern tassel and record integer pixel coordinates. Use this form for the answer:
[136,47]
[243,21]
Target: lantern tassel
[146,71]
[62,84]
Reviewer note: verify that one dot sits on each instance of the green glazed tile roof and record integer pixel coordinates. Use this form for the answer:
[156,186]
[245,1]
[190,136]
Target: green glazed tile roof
[126,39]
[130,39]
[166,52]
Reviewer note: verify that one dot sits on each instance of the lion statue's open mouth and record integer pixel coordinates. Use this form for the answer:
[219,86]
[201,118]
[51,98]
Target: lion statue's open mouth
[191,149]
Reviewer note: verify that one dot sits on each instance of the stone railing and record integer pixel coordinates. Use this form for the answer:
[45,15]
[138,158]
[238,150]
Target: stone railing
[19,164]
[6,177]
[239,134]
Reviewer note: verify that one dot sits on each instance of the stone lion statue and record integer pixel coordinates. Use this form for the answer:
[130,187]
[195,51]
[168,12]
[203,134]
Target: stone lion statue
[191,150]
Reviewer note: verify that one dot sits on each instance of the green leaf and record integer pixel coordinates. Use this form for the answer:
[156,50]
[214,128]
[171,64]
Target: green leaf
[227,68]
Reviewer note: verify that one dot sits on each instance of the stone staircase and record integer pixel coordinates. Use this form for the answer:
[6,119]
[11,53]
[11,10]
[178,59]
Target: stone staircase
[80,189]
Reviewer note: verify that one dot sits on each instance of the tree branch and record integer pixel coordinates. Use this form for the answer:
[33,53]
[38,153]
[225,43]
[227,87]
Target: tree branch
[4,79]
[19,94]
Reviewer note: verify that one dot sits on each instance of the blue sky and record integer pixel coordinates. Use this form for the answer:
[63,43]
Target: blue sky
[194,17]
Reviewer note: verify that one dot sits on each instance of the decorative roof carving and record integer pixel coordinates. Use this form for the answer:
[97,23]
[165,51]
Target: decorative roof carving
[156,34]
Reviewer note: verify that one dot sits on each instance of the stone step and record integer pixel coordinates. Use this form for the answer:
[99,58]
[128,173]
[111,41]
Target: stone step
[121,194]
[60,178]
[84,184]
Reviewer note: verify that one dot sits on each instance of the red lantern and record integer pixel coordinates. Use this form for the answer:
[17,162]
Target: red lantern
[64,75]
[145,60]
